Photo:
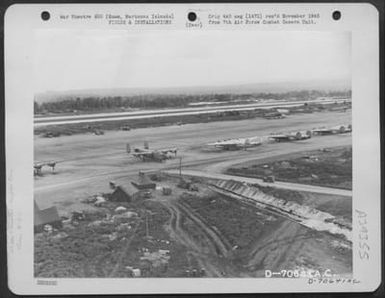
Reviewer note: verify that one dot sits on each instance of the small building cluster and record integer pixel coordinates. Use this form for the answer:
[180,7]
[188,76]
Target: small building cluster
[140,188]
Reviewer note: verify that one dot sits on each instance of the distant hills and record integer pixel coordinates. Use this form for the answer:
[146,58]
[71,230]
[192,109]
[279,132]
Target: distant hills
[281,87]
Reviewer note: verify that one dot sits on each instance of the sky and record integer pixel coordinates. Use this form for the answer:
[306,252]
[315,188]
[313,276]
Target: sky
[104,59]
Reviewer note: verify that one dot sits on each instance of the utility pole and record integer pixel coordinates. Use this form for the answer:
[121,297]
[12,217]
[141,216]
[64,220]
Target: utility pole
[180,166]
[147,232]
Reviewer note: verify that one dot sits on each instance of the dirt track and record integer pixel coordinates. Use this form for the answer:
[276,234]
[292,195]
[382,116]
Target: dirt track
[203,243]
[277,184]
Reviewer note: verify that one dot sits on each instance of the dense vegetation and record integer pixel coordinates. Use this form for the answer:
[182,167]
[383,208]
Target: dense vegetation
[70,103]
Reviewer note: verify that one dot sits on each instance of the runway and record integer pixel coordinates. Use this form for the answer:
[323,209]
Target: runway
[145,114]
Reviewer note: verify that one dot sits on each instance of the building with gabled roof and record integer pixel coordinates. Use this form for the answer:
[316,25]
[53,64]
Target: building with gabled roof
[143,183]
[126,193]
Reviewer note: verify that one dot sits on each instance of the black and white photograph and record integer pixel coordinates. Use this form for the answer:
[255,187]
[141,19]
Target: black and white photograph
[207,154]
[192,148]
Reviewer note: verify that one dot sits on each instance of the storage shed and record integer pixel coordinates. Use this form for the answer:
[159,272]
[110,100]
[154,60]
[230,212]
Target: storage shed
[126,193]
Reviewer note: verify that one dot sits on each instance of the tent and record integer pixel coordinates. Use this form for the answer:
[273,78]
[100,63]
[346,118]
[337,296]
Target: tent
[48,216]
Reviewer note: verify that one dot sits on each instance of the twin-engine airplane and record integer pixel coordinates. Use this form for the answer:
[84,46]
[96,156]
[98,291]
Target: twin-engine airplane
[292,136]
[332,130]
[237,144]
[145,154]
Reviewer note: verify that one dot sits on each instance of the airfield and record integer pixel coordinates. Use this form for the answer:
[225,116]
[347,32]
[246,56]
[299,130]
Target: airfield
[88,162]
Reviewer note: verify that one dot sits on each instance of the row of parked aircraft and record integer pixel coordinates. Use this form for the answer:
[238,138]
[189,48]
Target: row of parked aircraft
[244,143]
[159,155]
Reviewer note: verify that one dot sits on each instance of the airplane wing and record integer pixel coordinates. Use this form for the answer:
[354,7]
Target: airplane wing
[45,163]
[280,137]
[326,130]
[227,144]
[167,150]
[139,154]
[290,137]
[254,141]
[237,143]
[142,151]
[230,146]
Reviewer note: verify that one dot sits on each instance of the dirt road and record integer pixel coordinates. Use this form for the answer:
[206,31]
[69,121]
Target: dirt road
[277,184]
[203,243]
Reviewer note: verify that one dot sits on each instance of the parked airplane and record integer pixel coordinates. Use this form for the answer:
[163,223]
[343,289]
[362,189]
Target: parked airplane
[332,130]
[37,167]
[237,144]
[274,115]
[292,136]
[145,154]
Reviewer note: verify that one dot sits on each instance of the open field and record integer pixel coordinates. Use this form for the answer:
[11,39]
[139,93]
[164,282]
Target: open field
[330,167]
[206,234]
